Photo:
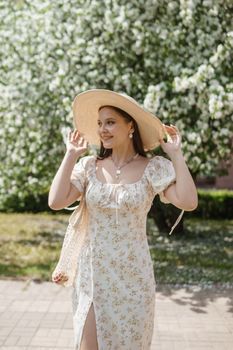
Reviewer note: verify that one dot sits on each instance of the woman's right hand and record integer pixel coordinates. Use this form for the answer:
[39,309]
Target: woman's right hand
[76,142]
[60,278]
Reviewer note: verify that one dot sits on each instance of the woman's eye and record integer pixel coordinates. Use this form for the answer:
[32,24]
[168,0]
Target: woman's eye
[109,122]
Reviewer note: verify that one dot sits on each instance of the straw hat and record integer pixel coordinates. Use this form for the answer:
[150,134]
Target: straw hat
[85,114]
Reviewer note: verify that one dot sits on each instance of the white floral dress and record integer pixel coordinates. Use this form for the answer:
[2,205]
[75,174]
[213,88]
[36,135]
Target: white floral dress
[115,269]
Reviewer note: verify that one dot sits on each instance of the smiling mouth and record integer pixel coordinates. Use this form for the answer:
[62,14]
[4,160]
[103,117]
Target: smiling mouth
[106,138]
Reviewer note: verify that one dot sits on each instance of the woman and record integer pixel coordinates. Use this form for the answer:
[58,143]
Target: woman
[114,291]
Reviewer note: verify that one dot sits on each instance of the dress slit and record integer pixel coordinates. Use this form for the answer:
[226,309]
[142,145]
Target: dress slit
[83,325]
[96,325]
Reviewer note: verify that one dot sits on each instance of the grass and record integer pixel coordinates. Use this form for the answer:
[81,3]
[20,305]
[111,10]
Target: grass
[203,255]
[30,245]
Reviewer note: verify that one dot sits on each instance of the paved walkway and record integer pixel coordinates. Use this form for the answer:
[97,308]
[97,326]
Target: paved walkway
[39,316]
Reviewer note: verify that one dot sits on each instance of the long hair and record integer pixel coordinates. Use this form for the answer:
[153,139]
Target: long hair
[137,141]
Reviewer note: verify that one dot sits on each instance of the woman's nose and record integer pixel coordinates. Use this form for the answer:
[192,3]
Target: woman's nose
[102,128]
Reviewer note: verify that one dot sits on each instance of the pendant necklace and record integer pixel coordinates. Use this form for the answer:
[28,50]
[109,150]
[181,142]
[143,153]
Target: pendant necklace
[118,168]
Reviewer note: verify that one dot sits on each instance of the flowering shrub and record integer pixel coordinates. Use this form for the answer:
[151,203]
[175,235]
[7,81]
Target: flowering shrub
[174,57]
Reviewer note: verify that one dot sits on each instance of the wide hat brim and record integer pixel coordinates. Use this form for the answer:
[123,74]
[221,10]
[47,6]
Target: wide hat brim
[85,115]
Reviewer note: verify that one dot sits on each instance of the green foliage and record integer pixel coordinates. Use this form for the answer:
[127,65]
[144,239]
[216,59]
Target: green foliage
[174,57]
[212,204]
[215,204]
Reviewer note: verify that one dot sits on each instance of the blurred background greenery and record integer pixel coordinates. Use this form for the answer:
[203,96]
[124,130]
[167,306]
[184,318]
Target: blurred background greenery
[175,59]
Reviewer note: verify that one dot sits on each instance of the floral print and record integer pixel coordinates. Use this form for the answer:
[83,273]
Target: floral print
[115,267]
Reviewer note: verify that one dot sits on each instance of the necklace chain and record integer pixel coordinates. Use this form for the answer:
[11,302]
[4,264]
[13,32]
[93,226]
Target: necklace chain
[118,171]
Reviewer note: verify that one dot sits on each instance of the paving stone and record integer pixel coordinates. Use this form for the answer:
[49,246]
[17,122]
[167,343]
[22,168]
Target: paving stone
[38,316]
[11,340]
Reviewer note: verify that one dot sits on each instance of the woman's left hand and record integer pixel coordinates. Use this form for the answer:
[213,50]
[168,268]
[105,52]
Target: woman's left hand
[173,144]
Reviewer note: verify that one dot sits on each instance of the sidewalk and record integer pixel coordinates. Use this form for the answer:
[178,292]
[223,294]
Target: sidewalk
[39,316]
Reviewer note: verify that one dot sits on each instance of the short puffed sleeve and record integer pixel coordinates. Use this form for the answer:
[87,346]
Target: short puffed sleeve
[161,175]
[79,173]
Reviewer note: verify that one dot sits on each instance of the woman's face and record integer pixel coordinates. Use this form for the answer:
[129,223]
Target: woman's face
[113,129]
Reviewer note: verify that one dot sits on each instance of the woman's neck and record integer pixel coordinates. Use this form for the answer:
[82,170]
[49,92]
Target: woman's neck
[120,156]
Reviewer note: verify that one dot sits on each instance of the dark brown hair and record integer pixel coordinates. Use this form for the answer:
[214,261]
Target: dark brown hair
[137,141]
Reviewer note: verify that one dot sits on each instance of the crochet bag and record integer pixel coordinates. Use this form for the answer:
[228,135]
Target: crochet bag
[72,243]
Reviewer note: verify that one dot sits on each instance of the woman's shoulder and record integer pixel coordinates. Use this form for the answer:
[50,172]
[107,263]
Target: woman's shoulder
[160,166]
[85,161]
[161,173]
[160,161]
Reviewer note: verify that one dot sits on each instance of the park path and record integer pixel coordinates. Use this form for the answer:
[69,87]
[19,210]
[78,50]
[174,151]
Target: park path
[38,316]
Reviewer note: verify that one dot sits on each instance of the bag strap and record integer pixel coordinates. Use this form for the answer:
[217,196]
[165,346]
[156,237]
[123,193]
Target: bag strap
[177,221]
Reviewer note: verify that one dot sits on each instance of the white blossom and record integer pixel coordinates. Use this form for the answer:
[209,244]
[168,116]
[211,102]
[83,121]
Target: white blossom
[173,57]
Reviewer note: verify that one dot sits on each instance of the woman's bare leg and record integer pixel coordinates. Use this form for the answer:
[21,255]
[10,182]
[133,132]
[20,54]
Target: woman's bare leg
[89,336]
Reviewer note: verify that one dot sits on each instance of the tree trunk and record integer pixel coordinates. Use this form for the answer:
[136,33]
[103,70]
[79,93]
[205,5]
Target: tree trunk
[164,216]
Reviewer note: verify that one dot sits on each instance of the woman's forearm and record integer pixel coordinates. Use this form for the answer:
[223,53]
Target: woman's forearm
[60,186]
[185,187]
